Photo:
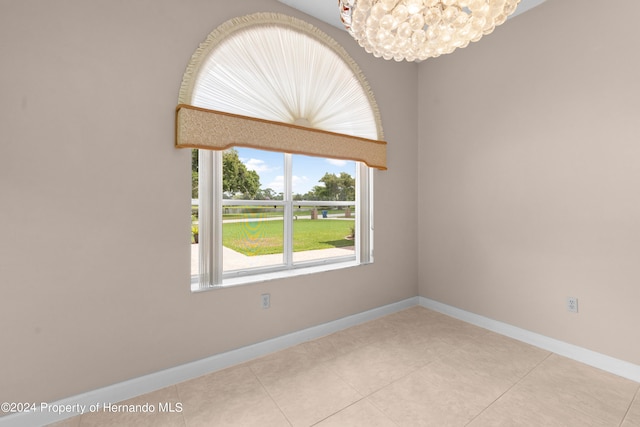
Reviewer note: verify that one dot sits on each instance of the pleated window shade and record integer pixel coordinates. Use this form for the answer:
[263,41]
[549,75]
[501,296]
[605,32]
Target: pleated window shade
[273,82]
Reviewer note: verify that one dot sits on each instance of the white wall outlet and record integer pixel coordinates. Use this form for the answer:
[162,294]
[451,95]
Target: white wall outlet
[266,300]
[572,304]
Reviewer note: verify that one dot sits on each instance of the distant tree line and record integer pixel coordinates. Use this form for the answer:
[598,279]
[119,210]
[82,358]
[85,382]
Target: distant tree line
[240,182]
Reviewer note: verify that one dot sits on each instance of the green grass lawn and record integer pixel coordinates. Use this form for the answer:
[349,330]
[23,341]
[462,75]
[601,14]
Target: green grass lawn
[265,237]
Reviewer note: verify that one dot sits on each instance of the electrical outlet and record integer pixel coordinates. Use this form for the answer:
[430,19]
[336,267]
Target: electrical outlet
[266,300]
[572,304]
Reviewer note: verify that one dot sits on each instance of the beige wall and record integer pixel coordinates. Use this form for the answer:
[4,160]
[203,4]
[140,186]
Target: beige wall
[530,174]
[94,225]
[526,191]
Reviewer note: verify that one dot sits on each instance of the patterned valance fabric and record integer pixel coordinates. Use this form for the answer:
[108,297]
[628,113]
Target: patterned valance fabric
[215,130]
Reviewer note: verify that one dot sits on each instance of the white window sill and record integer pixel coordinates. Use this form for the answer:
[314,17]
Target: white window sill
[280,274]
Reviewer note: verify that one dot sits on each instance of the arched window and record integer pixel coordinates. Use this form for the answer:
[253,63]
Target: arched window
[287,131]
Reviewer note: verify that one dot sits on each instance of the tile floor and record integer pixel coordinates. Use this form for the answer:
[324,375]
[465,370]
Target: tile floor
[412,368]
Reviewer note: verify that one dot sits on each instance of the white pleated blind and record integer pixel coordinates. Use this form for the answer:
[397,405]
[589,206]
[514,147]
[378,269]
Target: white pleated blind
[284,71]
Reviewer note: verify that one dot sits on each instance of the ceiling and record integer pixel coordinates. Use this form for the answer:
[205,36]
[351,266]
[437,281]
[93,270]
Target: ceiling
[327,10]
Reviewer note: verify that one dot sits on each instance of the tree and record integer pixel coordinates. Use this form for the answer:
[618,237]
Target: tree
[335,187]
[269,194]
[236,178]
[347,186]
[194,184]
[194,174]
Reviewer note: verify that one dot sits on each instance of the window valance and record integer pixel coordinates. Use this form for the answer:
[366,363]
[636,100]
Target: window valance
[216,130]
[274,82]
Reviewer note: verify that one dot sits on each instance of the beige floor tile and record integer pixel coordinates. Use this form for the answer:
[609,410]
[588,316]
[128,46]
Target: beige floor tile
[595,392]
[497,357]
[289,362]
[455,331]
[305,389]
[412,368]
[432,325]
[505,347]
[632,418]
[413,317]
[438,394]
[331,346]
[516,410]
[562,392]
[321,349]
[311,396]
[373,331]
[140,418]
[360,414]
[415,321]
[377,365]
[232,397]
[334,345]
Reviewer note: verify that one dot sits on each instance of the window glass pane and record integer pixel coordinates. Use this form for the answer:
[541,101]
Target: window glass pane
[249,174]
[195,261]
[323,230]
[327,233]
[195,264]
[252,236]
[317,178]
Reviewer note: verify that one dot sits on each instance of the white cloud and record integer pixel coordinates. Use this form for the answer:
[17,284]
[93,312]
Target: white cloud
[336,162]
[300,184]
[257,165]
[277,184]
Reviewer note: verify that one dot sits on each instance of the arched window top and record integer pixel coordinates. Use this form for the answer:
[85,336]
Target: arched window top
[276,67]
[280,69]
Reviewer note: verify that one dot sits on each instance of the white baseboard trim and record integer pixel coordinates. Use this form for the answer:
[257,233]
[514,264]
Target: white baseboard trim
[598,360]
[152,382]
[158,380]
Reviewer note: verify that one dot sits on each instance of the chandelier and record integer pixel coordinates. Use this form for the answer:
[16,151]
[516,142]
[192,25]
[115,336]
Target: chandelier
[421,29]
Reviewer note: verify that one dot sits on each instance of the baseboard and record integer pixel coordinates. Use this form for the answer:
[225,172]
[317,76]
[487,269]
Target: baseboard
[588,357]
[152,382]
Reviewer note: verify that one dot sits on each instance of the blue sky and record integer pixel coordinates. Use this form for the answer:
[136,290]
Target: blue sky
[306,170]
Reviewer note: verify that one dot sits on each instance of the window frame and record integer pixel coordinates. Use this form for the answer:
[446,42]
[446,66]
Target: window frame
[212,114]
[211,273]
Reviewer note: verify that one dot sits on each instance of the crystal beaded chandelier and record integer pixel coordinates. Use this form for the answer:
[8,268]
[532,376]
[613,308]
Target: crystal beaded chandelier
[421,29]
